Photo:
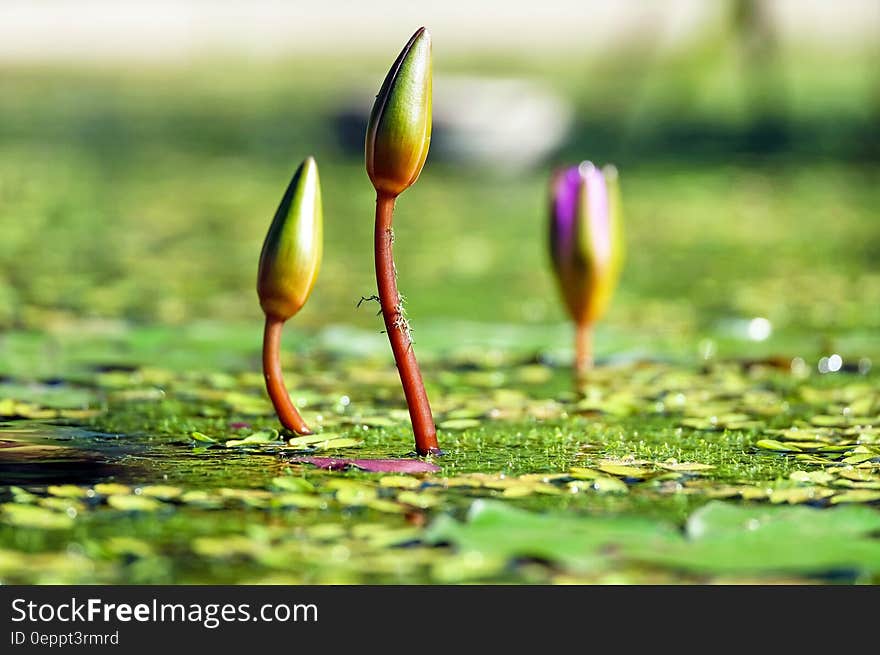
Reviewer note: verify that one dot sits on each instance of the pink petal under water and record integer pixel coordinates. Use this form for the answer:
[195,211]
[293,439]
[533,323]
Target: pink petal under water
[239,425]
[372,465]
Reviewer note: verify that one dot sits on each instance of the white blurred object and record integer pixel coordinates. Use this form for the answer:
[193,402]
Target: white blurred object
[751,329]
[511,124]
[507,124]
[759,329]
[830,364]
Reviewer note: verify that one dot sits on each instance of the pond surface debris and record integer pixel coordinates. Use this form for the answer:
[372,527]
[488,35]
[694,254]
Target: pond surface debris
[659,472]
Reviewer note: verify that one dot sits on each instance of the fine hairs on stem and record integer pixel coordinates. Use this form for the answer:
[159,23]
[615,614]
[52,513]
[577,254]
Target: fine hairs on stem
[397,328]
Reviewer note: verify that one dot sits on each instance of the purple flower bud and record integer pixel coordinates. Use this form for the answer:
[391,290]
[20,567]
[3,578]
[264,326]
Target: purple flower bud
[586,243]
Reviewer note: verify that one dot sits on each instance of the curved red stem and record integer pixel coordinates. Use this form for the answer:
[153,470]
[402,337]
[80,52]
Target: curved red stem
[285,409]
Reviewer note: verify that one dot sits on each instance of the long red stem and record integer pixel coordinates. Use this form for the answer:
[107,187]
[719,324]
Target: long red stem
[287,413]
[398,331]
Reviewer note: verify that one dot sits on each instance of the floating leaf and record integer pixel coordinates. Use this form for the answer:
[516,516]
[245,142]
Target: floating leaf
[161,491]
[290,483]
[134,503]
[856,496]
[303,500]
[387,506]
[309,439]
[459,424]
[859,475]
[624,471]
[325,531]
[606,485]
[724,538]
[581,473]
[355,494]
[29,516]
[111,489]
[400,482]
[859,458]
[421,500]
[203,438]
[777,446]
[829,421]
[685,467]
[67,491]
[22,496]
[225,547]
[794,495]
[128,547]
[258,438]
[812,477]
[201,499]
[342,442]
[498,530]
[464,567]
[372,465]
[69,506]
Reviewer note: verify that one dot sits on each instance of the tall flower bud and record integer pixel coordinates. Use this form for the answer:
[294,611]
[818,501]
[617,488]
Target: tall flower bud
[292,251]
[399,130]
[289,264]
[398,137]
[586,245]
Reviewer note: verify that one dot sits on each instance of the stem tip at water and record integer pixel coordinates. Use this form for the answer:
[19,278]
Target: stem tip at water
[398,331]
[287,413]
[583,359]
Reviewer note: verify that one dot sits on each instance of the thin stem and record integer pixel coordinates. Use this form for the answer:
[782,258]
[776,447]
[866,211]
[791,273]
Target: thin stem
[398,331]
[287,413]
[583,359]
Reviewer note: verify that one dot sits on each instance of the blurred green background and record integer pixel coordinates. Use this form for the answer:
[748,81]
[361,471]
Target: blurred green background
[135,192]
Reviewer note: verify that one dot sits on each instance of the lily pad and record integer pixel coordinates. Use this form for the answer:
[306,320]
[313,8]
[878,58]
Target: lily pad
[372,465]
[720,538]
[341,442]
[29,516]
[257,438]
[309,439]
[459,424]
[134,503]
[202,438]
[777,446]
[496,530]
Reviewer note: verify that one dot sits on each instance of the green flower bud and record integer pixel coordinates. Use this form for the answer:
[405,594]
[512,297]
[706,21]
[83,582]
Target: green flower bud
[399,131]
[291,255]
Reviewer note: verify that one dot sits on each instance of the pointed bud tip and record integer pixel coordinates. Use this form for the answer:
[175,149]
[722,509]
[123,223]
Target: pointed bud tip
[292,250]
[399,129]
[309,169]
[586,167]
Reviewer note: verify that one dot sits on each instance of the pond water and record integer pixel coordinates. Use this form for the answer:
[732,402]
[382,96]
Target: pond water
[143,474]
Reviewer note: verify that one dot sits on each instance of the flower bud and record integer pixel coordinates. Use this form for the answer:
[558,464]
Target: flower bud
[291,255]
[586,238]
[399,130]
